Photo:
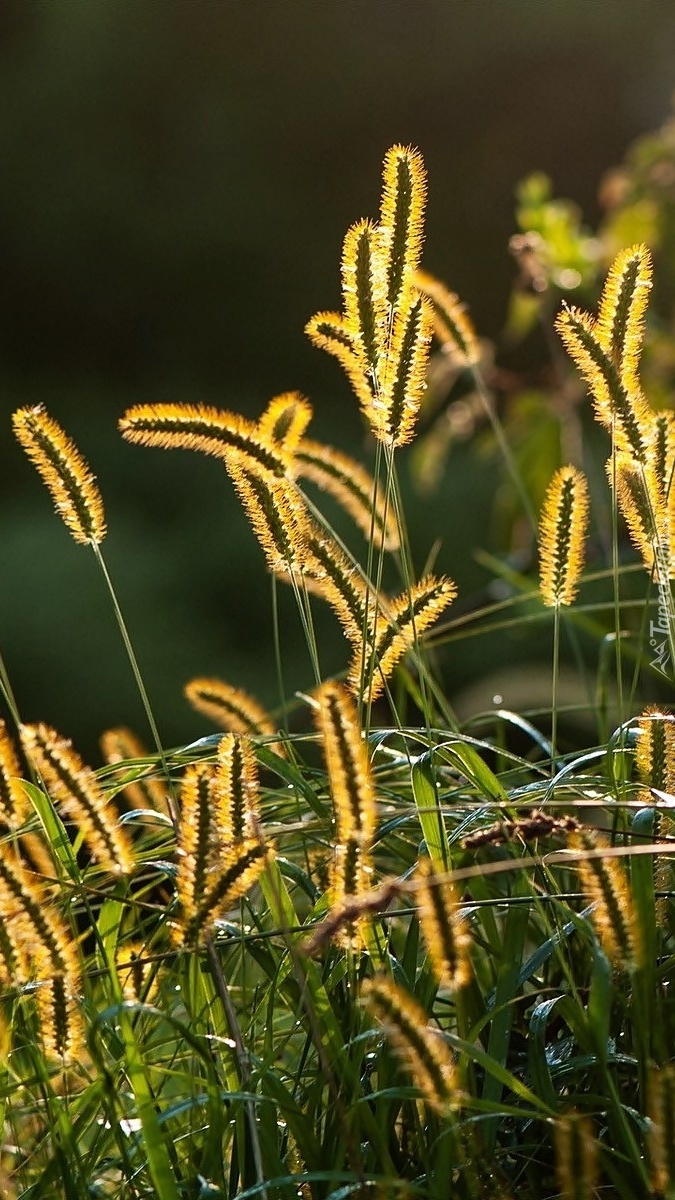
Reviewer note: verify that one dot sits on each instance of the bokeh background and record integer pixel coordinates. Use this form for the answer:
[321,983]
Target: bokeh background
[177,177]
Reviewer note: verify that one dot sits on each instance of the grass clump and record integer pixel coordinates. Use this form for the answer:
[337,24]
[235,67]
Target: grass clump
[384,954]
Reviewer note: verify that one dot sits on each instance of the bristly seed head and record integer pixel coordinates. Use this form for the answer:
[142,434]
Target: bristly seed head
[78,795]
[576,1157]
[57,460]
[422,1048]
[442,926]
[655,749]
[562,533]
[382,338]
[605,882]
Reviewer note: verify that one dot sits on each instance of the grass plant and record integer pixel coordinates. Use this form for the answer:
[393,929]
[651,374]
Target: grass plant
[384,954]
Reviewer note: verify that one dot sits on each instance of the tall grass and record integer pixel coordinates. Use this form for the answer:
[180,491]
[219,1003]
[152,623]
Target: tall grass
[385,954]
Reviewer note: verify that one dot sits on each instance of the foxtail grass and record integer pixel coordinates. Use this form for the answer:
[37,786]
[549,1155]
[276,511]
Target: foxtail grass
[388,952]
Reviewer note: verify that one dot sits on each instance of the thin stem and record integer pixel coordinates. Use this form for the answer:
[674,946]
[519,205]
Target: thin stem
[615,575]
[8,694]
[505,449]
[554,689]
[173,807]
[276,631]
[241,1055]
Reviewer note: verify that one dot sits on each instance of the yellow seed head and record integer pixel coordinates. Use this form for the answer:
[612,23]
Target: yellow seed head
[231,708]
[235,876]
[14,803]
[655,749]
[347,763]
[59,1020]
[363,290]
[605,882]
[57,460]
[235,793]
[401,218]
[350,881]
[330,574]
[452,326]
[334,333]
[78,795]
[398,627]
[444,932]
[576,1157]
[423,1051]
[562,533]
[621,312]
[352,486]
[404,374]
[198,427]
[120,745]
[619,405]
[35,927]
[642,506]
[662,451]
[285,420]
[196,849]
[275,511]
[382,339]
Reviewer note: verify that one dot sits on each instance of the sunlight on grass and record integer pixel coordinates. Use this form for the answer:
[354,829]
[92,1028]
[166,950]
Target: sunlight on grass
[385,953]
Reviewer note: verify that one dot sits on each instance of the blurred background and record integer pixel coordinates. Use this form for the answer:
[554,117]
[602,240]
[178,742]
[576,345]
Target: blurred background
[177,178]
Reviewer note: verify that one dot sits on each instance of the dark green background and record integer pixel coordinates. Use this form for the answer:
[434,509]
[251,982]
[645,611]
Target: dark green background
[177,177]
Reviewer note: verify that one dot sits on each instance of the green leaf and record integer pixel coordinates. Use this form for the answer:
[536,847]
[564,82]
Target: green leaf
[464,757]
[54,828]
[428,808]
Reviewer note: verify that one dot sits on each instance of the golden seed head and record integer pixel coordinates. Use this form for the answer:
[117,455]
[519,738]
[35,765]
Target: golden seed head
[404,373]
[60,1020]
[352,486]
[641,503]
[605,882]
[234,877]
[350,881]
[328,572]
[404,191]
[399,626]
[57,460]
[655,749]
[197,849]
[422,1048]
[442,926]
[285,420]
[382,339]
[235,804]
[576,1157]
[452,326]
[144,790]
[14,803]
[274,509]
[231,708]
[77,794]
[347,763]
[199,427]
[562,534]
[619,403]
[621,312]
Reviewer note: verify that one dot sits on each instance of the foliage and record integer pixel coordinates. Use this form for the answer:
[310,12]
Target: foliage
[375,951]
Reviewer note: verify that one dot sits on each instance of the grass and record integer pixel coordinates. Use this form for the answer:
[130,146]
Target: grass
[383,953]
